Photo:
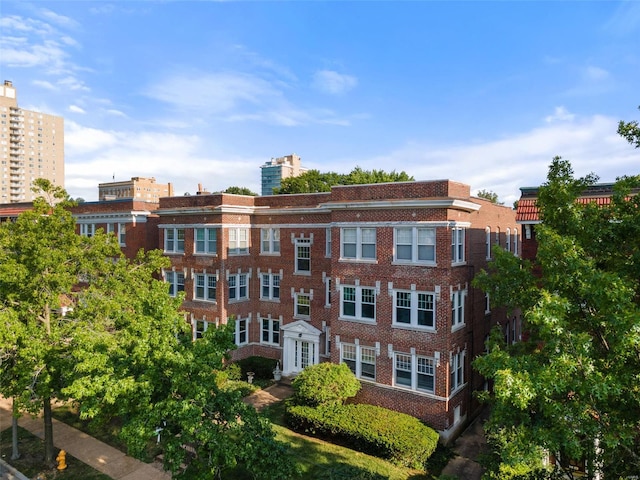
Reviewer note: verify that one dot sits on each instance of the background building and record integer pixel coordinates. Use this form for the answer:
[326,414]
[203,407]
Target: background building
[31,147]
[138,188]
[274,171]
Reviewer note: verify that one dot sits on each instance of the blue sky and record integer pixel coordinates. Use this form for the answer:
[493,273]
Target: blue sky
[192,92]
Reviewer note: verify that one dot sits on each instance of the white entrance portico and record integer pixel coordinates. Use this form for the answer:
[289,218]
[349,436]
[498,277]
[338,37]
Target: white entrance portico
[301,342]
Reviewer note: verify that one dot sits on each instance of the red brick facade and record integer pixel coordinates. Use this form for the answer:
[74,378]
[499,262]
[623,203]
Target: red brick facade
[382,290]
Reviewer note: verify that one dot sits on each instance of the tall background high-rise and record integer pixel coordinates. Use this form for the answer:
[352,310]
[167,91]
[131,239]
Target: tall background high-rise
[274,171]
[31,147]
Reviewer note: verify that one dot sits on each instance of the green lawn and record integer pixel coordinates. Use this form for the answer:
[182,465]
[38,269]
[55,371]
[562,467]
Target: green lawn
[31,462]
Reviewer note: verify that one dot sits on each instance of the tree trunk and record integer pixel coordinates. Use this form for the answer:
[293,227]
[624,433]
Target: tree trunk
[49,455]
[15,453]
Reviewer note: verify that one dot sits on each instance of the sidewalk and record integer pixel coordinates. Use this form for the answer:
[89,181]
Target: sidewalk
[468,447]
[95,453]
[270,395]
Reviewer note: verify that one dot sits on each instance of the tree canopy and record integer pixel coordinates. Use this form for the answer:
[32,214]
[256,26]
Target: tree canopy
[489,195]
[570,387]
[240,191]
[630,131]
[313,181]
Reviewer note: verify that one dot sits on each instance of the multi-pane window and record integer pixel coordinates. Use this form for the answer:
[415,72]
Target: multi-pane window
[122,234]
[358,243]
[270,286]
[487,241]
[174,240]
[87,229]
[175,281]
[205,240]
[238,287]
[358,303]
[360,360]
[456,369]
[457,308]
[414,371]
[457,245]
[415,244]
[327,252]
[111,228]
[270,240]
[199,327]
[204,287]
[270,331]
[303,256]
[507,243]
[327,292]
[302,305]
[487,303]
[238,241]
[414,308]
[241,334]
[515,242]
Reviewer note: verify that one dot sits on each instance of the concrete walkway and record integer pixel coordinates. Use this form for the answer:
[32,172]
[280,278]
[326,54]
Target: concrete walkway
[270,395]
[468,447]
[99,455]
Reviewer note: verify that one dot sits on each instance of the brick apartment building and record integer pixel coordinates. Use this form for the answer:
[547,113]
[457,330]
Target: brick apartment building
[376,276]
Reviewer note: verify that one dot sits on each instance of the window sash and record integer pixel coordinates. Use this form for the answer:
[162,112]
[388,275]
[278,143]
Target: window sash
[358,303]
[414,308]
[205,287]
[270,331]
[414,244]
[238,241]
[416,372]
[303,258]
[206,240]
[303,305]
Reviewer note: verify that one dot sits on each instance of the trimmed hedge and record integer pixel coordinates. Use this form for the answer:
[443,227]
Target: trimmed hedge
[396,437]
[325,383]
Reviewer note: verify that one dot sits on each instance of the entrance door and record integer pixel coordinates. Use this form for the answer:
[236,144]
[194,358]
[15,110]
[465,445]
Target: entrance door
[304,354]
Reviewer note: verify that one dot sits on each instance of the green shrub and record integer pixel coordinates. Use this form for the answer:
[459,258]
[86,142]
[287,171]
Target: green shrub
[397,437]
[234,372]
[262,367]
[325,383]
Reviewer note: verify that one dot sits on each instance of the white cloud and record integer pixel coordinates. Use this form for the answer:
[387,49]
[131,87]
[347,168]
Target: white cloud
[333,83]
[76,109]
[560,114]
[44,84]
[596,73]
[115,113]
[61,20]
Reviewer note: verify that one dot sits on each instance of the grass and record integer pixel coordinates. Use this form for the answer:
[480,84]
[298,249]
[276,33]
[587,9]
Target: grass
[31,462]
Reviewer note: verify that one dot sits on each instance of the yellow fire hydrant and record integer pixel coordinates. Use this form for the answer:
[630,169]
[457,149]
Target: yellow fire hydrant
[62,460]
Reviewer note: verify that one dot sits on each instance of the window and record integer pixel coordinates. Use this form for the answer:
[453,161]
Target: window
[111,228]
[205,240]
[302,305]
[515,242]
[242,337]
[358,303]
[175,281]
[122,234]
[358,243]
[487,241]
[487,303]
[414,371]
[457,370]
[327,252]
[414,308]
[238,241]
[417,245]
[303,256]
[327,292]
[360,360]
[270,331]
[507,243]
[270,289]
[270,240]
[87,229]
[174,240]
[205,287]
[457,308]
[199,327]
[457,245]
[238,287]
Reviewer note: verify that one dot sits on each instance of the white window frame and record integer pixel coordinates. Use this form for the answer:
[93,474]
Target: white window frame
[270,284]
[237,282]
[412,364]
[457,308]
[302,243]
[173,278]
[238,241]
[515,242]
[122,234]
[414,308]
[173,243]
[111,228]
[355,356]
[242,328]
[203,281]
[358,301]
[297,305]
[458,235]
[487,303]
[327,292]
[198,327]
[270,241]
[359,237]
[209,244]
[87,229]
[456,370]
[270,332]
[415,244]
[507,243]
[487,242]
[327,251]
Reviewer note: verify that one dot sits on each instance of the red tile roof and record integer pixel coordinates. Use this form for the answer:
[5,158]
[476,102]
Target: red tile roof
[527,211]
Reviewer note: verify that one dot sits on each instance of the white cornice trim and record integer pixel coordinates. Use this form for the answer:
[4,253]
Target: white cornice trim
[386,204]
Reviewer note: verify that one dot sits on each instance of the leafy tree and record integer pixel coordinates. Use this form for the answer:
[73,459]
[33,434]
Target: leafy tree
[630,131]
[489,195]
[325,383]
[571,386]
[240,191]
[313,181]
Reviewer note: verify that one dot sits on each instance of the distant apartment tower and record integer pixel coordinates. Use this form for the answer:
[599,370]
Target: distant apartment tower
[277,169]
[31,147]
[138,188]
